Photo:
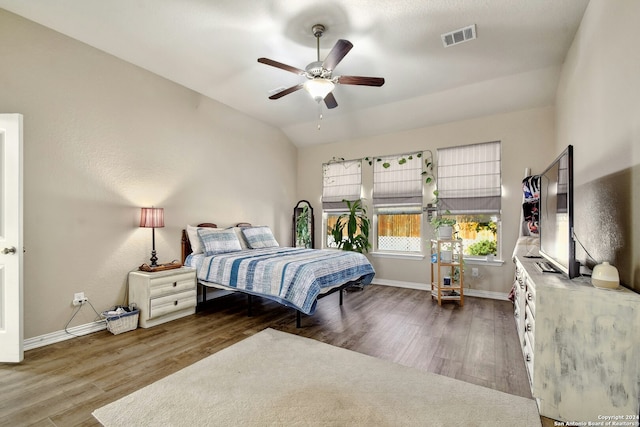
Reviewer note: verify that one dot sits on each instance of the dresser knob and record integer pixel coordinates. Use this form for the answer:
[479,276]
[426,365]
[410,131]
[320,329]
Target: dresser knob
[175,284]
[530,297]
[528,358]
[175,303]
[528,327]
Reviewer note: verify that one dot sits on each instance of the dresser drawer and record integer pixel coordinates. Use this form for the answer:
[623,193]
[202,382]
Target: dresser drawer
[528,356]
[530,297]
[170,285]
[171,303]
[529,326]
[520,276]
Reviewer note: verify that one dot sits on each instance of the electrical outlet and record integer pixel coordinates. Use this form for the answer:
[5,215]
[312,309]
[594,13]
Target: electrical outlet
[79,298]
[474,272]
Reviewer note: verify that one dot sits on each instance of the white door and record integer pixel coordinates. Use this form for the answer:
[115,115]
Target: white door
[11,327]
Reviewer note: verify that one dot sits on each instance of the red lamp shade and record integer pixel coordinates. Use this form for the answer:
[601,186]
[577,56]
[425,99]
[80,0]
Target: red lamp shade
[152,217]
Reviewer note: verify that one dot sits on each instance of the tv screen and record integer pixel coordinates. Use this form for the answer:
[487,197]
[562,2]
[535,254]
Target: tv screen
[557,245]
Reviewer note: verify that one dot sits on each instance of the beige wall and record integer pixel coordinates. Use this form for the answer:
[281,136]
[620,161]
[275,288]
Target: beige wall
[527,141]
[598,111]
[103,138]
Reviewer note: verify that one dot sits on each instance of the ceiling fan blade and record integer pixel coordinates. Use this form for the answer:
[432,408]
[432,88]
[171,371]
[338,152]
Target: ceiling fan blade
[287,91]
[363,81]
[330,101]
[282,66]
[339,50]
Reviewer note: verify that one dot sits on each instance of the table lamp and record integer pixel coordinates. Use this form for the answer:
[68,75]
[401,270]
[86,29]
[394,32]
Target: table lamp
[152,218]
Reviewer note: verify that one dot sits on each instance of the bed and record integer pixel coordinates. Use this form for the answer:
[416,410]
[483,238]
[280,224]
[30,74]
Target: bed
[249,260]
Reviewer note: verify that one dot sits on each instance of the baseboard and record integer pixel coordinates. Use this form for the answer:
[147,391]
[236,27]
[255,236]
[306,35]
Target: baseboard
[424,287]
[59,336]
[89,328]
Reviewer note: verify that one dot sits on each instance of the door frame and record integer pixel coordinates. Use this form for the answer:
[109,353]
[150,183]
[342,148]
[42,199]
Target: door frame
[11,236]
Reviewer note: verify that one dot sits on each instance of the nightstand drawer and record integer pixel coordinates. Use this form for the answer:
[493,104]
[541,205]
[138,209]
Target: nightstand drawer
[170,285]
[172,303]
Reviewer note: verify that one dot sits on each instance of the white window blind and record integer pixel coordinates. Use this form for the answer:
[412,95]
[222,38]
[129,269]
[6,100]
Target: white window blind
[397,181]
[469,178]
[341,181]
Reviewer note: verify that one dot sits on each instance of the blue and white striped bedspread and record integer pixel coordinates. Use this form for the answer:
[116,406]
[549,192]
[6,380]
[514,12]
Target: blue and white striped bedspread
[292,276]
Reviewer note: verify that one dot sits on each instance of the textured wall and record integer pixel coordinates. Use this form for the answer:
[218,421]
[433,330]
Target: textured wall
[598,108]
[527,141]
[103,138]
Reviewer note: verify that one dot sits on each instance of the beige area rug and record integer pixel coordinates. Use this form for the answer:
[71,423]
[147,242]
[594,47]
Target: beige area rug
[279,379]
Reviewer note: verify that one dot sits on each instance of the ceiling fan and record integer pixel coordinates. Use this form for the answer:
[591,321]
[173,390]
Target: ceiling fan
[320,80]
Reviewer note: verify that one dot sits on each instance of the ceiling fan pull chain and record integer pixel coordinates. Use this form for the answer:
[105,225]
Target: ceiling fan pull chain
[319,114]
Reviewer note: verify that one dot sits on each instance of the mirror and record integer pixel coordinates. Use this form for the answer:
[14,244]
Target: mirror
[303,225]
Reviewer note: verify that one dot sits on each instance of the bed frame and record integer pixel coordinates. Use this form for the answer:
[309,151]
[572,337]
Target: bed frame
[186,250]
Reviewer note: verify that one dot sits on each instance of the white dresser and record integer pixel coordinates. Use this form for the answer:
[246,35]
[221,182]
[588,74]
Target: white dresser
[163,296]
[581,345]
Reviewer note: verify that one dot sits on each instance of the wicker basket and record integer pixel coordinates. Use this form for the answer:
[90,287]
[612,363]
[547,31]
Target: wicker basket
[119,323]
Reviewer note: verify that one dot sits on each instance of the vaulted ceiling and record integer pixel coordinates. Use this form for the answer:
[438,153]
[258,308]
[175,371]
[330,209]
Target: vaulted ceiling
[212,47]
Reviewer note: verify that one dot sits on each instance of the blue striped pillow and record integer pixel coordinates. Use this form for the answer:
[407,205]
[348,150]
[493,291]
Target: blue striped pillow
[218,241]
[259,237]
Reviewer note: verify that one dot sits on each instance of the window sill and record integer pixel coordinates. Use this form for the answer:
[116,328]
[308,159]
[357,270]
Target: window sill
[399,255]
[420,257]
[483,261]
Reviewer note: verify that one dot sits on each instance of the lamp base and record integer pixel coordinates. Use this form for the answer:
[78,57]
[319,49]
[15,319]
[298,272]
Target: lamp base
[153,259]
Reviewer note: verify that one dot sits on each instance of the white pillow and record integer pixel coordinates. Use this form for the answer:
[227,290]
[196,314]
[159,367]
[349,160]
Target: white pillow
[194,239]
[241,239]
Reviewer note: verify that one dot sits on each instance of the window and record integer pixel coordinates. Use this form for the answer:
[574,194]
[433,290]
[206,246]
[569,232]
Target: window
[479,234]
[342,180]
[397,201]
[398,230]
[331,220]
[470,190]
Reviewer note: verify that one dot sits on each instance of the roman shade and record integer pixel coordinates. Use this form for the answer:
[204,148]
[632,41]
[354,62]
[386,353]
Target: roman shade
[341,180]
[469,179]
[397,181]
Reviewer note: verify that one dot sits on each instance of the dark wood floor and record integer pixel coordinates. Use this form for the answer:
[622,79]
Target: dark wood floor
[61,384]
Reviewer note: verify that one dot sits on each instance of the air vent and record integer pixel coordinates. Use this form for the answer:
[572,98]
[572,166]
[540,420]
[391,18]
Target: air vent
[459,36]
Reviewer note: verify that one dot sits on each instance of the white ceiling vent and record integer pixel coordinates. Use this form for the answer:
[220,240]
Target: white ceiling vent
[459,36]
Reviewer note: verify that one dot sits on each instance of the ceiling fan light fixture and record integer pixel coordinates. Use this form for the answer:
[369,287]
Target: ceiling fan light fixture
[320,79]
[318,88]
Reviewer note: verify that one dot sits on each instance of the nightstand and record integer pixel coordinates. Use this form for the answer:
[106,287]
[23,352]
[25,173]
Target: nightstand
[164,295]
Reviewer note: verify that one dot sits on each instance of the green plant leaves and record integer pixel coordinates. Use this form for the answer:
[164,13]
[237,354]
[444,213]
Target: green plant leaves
[356,218]
[483,247]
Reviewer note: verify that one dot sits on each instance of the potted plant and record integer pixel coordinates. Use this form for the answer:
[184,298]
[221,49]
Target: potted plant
[303,235]
[356,220]
[443,226]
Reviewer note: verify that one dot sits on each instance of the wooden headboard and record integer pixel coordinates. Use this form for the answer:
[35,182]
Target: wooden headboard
[186,244]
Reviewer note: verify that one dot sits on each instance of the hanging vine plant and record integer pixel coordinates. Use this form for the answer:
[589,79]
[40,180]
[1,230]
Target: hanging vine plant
[427,173]
[401,160]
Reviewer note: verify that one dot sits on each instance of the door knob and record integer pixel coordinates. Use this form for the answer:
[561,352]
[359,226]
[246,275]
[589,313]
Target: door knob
[11,250]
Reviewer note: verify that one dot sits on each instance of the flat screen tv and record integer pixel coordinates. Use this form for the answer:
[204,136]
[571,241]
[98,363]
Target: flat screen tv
[557,245]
